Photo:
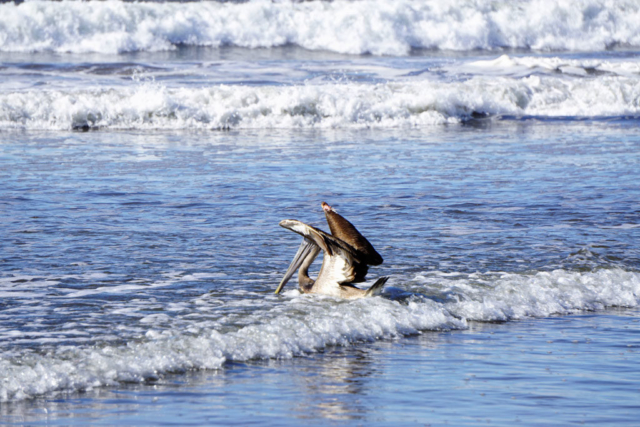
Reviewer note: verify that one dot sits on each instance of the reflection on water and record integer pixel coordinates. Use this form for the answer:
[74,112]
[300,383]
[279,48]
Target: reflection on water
[331,382]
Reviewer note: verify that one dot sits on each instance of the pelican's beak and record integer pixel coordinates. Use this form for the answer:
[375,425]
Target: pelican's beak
[305,248]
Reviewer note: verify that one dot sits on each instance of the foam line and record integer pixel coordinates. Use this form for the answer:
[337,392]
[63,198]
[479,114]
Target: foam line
[376,27]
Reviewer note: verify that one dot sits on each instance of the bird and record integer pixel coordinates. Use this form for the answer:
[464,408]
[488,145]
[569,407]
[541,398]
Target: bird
[346,260]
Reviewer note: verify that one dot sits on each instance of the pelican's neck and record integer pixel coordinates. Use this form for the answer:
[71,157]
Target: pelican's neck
[306,282]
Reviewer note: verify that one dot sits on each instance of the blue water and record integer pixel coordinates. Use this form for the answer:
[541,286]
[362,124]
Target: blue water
[561,370]
[113,239]
[145,164]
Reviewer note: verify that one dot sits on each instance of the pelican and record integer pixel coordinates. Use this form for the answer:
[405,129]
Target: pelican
[347,255]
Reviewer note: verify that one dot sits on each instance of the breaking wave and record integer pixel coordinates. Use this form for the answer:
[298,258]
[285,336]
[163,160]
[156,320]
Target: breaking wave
[353,27]
[300,324]
[335,105]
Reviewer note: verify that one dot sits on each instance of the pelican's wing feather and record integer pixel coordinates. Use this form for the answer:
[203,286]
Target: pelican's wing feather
[349,234]
[325,241]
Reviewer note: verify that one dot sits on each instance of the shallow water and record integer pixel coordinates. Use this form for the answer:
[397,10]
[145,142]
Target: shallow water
[128,257]
[495,171]
[575,369]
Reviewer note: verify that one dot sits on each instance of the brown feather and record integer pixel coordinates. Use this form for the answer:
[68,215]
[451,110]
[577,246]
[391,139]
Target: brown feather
[347,232]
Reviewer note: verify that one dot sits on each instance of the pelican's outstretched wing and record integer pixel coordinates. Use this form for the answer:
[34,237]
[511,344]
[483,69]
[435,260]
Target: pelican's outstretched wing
[347,232]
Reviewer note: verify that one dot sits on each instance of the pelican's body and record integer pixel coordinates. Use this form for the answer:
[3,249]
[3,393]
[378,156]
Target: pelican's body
[347,255]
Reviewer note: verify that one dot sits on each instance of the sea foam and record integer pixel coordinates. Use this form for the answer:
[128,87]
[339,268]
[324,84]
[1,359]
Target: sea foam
[376,27]
[295,325]
[330,105]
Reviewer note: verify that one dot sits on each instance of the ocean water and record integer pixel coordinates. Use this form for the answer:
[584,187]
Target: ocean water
[488,150]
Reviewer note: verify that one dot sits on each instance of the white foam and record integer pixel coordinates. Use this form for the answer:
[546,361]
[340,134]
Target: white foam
[301,324]
[202,276]
[508,296]
[339,105]
[117,289]
[506,65]
[282,332]
[377,27]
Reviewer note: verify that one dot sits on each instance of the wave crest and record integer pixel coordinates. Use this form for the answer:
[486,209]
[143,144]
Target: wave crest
[301,324]
[342,105]
[376,27]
